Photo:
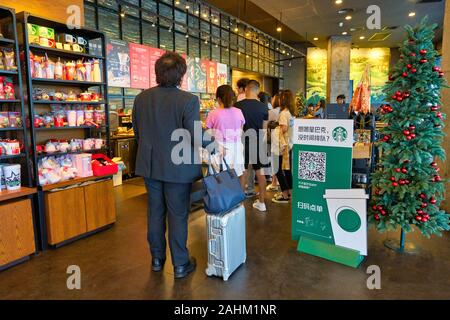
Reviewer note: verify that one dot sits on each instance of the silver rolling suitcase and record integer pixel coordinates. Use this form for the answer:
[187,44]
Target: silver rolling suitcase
[226,242]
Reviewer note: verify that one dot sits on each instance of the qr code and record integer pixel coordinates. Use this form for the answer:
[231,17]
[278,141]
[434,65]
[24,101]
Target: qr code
[312,166]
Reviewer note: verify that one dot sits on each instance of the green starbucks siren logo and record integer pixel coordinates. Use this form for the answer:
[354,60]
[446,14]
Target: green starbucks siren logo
[340,134]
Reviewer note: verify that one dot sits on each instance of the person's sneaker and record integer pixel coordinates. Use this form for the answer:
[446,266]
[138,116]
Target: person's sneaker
[280,199]
[271,188]
[261,206]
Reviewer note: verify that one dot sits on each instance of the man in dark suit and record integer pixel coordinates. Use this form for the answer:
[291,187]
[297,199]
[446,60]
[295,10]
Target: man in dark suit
[161,116]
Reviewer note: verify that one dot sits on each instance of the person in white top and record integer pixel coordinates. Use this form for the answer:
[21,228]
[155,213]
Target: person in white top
[241,84]
[273,116]
[284,173]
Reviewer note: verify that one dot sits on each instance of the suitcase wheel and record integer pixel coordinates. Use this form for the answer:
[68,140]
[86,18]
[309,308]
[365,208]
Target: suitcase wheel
[209,272]
[225,278]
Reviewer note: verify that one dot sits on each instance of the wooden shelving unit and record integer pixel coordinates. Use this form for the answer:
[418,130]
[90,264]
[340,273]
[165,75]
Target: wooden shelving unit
[64,207]
[19,235]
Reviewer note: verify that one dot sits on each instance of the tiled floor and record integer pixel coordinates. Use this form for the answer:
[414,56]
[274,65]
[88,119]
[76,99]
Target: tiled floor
[115,264]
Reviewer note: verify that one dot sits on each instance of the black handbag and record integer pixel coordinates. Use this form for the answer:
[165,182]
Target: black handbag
[222,190]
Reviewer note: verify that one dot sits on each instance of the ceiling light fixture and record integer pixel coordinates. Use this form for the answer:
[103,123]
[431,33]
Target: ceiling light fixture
[236,29]
[362,38]
[279,29]
[412,14]
[122,14]
[348,17]
[344,33]
[315,39]
[338,2]
[177,2]
[187,36]
[341,24]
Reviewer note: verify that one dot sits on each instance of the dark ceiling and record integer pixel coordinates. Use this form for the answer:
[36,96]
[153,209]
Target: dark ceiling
[252,14]
[307,19]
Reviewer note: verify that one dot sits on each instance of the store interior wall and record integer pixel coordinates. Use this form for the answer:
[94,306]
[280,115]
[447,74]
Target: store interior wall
[445,166]
[50,9]
[295,72]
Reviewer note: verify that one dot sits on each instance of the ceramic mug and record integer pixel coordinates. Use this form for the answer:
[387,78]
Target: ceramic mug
[12,176]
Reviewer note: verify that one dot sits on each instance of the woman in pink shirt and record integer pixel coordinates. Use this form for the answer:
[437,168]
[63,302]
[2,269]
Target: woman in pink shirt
[226,122]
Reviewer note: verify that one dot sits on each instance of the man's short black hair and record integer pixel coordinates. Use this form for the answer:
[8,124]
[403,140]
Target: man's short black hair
[341,96]
[253,85]
[170,69]
[242,83]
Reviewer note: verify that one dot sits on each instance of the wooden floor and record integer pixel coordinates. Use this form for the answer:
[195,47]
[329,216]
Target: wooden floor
[115,264]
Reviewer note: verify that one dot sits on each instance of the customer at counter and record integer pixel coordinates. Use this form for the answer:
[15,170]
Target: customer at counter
[255,113]
[241,84]
[227,122]
[157,113]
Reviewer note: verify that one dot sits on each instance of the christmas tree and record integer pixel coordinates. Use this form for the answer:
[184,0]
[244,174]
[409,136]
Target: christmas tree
[408,189]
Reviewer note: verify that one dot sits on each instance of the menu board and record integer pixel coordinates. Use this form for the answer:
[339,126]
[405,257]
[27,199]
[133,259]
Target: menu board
[140,66]
[155,54]
[196,75]
[118,63]
[211,76]
[222,74]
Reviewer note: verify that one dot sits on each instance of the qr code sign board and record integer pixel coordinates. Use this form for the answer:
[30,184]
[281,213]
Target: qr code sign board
[312,166]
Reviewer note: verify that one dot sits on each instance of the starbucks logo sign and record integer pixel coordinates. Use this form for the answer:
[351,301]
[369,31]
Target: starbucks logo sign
[340,134]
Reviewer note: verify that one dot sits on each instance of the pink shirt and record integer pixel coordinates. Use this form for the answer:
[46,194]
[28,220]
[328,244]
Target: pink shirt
[228,122]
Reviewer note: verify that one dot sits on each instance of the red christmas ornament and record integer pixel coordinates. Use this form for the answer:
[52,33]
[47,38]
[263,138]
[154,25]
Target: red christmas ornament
[377,217]
[392,178]
[439,115]
[424,219]
[394,97]
[374,208]
[386,138]
[412,54]
[426,216]
[407,181]
[422,61]
[398,170]
[423,52]
[435,108]
[441,74]
[408,138]
[390,77]
[377,192]
[433,164]
[418,218]
[433,201]
[379,208]
[404,170]
[404,74]
[399,99]
[424,205]
[402,182]
[419,211]
[383,213]
[394,184]
[413,135]
[422,196]
[436,68]
[413,70]
[437,179]
[406,161]
[406,94]
[412,128]
[406,132]
[409,66]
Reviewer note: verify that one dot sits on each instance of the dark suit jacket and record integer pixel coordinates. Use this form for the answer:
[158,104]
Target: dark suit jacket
[157,113]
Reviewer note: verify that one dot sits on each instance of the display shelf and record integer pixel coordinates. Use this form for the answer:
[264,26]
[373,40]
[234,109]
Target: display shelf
[8,72]
[20,155]
[22,192]
[9,101]
[63,53]
[68,102]
[72,83]
[11,129]
[67,183]
[6,41]
[69,128]
[55,154]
